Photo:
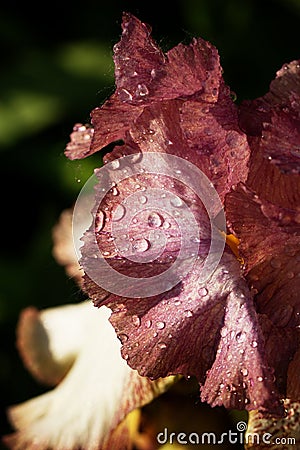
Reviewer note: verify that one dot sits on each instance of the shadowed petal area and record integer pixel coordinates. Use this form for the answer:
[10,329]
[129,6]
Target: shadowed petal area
[94,396]
[219,319]
[270,243]
[281,141]
[282,96]
[280,434]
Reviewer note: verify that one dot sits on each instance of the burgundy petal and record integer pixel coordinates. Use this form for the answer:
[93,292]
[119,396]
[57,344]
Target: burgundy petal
[219,318]
[283,92]
[145,75]
[217,144]
[207,135]
[143,72]
[79,146]
[281,141]
[240,376]
[264,176]
[270,243]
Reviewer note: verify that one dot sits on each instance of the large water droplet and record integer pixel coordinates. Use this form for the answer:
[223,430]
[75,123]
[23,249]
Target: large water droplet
[155,220]
[99,221]
[124,95]
[141,245]
[114,191]
[119,213]
[176,201]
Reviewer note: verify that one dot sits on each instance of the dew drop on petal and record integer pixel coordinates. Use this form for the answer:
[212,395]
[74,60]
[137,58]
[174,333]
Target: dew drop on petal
[203,292]
[119,213]
[115,164]
[123,337]
[124,95]
[141,245]
[114,191]
[143,199]
[148,323]
[188,313]
[240,337]
[254,344]
[176,201]
[99,221]
[142,90]
[155,220]
[160,325]
[275,263]
[162,345]
[244,372]
[136,321]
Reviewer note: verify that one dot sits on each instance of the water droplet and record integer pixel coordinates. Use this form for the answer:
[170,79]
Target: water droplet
[153,73]
[259,378]
[203,292]
[126,357]
[275,263]
[244,372]
[240,337]
[162,345]
[155,220]
[115,164]
[141,90]
[125,95]
[188,313]
[141,245]
[136,320]
[99,221]
[148,323]
[123,337]
[143,199]
[176,201]
[119,213]
[114,191]
[290,275]
[160,325]
[254,344]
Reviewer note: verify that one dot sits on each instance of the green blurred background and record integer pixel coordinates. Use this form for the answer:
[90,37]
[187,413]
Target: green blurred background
[56,65]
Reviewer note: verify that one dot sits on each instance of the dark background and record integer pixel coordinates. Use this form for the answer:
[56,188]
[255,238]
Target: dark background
[56,65]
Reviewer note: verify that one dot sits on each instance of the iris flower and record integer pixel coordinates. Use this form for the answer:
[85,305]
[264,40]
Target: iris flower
[236,332]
